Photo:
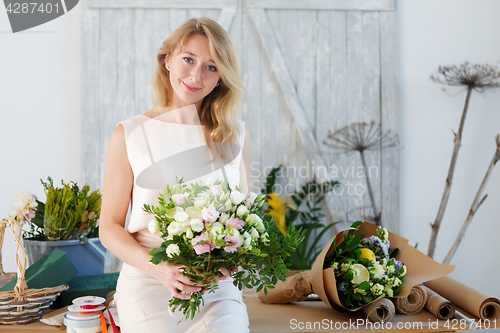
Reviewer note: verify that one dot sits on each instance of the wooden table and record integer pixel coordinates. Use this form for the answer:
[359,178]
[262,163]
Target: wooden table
[308,316]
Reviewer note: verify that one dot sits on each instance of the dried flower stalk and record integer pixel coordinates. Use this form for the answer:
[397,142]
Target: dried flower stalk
[361,137]
[475,77]
[475,204]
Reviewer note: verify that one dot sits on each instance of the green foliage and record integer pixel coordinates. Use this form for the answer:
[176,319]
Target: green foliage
[308,221]
[68,213]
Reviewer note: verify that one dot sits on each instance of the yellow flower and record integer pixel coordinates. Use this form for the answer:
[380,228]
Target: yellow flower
[278,209]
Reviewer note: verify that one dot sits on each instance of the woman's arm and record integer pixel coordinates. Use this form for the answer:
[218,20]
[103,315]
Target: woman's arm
[116,195]
[246,163]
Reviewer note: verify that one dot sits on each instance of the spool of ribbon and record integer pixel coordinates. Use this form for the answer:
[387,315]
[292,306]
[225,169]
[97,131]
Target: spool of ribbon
[97,303]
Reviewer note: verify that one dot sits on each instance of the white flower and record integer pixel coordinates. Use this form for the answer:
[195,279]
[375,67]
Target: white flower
[253,219]
[153,227]
[208,181]
[247,244]
[189,234]
[223,218]
[265,238]
[254,233]
[197,225]
[250,199]
[173,249]
[260,226]
[24,207]
[174,228]
[237,197]
[200,202]
[178,199]
[241,211]
[181,216]
[228,204]
[378,270]
[209,214]
[216,189]
[217,230]
[170,237]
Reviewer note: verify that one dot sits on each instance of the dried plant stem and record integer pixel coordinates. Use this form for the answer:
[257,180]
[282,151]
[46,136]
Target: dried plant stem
[377,216]
[475,204]
[446,195]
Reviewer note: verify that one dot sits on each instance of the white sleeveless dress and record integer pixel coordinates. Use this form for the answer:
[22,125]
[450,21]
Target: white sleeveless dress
[142,301]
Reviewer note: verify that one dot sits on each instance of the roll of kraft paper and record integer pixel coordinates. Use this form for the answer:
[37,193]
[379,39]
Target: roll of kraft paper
[381,310]
[475,302]
[413,303]
[438,305]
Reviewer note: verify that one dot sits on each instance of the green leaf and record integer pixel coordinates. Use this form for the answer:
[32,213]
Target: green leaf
[157,250]
[365,285]
[348,276]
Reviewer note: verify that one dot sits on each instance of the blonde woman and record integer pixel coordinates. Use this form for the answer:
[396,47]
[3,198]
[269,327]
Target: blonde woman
[197,88]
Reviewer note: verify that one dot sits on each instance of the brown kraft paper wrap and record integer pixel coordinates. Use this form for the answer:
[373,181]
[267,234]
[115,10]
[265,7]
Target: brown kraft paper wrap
[413,303]
[379,310]
[420,268]
[438,305]
[471,300]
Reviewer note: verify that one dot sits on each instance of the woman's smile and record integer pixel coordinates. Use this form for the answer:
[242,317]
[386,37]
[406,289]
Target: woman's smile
[190,88]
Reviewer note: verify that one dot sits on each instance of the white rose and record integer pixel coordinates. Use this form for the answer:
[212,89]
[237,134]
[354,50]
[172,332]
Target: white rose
[174,228]
[181,216]
[153,227]
[189,234]
[217,230]
[251,197]
[170,237]
[241,211]
[209,214]
[223,218]
[237,197]
[173,249]
[197,225]
[178,199]
[254,233]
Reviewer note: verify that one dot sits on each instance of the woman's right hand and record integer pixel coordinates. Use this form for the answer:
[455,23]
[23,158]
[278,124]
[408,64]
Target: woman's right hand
[171,277]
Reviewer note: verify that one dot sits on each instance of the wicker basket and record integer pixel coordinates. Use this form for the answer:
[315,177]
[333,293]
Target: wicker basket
[22,305]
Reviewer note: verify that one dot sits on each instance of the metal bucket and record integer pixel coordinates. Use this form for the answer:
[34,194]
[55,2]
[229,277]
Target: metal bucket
[88,257]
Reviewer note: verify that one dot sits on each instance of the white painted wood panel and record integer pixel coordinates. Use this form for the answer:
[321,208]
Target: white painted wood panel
[309,67]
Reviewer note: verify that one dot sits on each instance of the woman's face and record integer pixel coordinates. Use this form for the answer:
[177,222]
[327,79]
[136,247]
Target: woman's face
[193,74]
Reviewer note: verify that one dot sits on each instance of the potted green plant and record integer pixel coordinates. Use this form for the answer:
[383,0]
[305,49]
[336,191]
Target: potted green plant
[287,211]
[68,220]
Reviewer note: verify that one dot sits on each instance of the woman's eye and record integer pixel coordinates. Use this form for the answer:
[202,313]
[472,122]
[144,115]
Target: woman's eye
[188,60]
[211,68]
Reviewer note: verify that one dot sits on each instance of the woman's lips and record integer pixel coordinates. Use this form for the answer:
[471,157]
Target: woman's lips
[189,88]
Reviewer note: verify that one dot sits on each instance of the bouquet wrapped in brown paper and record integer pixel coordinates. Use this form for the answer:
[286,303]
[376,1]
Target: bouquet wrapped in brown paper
[321,279]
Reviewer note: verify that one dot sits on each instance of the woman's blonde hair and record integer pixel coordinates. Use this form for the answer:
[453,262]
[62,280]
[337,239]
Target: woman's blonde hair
[219,110]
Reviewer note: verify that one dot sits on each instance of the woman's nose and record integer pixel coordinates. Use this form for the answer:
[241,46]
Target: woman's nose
[196,73]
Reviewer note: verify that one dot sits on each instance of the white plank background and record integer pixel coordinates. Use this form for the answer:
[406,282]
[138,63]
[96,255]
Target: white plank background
[309,67]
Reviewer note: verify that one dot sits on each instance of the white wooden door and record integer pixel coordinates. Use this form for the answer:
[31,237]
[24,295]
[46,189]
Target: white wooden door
[309,67]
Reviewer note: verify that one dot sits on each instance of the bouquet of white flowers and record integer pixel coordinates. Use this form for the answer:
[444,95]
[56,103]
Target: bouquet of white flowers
[209,227]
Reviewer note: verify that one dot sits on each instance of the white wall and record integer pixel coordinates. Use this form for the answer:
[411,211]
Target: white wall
[448,32]
[40,102]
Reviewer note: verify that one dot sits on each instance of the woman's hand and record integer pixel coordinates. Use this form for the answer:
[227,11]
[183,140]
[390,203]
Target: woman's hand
[174,280]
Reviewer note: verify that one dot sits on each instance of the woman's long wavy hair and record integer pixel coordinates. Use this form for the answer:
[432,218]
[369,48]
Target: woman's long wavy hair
[219,111]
